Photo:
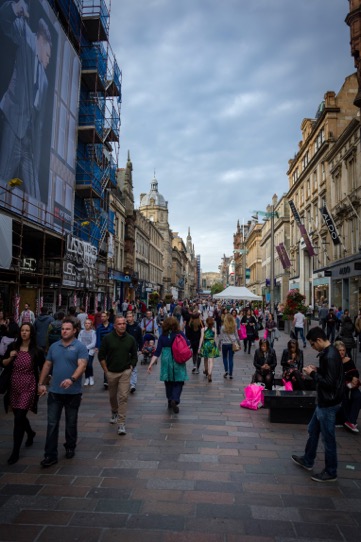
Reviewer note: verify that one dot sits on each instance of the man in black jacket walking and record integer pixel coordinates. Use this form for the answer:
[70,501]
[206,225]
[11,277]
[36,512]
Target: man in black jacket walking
[329,379]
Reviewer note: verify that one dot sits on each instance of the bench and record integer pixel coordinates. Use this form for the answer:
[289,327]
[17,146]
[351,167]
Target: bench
[290,406]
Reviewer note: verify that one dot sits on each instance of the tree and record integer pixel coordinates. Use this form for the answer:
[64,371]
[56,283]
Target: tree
[217,288]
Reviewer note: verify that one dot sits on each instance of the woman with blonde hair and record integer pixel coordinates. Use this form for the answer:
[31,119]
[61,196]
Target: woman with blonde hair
[228,339]
[209,349]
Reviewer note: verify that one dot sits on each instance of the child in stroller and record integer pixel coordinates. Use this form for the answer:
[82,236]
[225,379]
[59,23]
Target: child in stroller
[148,348]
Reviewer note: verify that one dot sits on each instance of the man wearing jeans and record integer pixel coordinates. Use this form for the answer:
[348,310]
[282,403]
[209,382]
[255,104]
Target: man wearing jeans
[329,379]
[67,359]
[299,323]
[118,357]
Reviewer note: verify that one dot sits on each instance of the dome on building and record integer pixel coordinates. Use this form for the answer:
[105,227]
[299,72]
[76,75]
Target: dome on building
[153,197]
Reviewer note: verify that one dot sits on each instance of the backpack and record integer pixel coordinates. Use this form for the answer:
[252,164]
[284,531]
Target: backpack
[54,333]
[181,350]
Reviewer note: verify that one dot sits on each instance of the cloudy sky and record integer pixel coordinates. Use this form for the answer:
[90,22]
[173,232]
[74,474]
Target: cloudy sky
[214,93]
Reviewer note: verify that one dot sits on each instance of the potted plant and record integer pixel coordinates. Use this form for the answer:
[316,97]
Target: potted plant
[295,302]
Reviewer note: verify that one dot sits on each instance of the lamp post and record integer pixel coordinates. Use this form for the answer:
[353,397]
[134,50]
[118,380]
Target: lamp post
[271,215]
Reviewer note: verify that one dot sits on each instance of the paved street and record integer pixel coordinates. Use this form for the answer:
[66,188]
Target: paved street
[212,473]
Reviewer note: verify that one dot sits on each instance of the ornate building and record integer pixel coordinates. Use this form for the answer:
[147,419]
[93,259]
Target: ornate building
[154,207]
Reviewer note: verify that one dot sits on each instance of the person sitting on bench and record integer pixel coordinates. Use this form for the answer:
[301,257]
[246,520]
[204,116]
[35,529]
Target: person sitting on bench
[265,361]
[292,365]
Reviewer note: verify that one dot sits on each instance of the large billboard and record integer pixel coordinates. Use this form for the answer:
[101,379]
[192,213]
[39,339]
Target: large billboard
[39,90]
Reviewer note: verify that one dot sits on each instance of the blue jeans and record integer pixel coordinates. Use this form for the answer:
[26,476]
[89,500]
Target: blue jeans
[299,330]
[134,377]
[323,422]
[89,368]
[56,403]
[331,332]
[227,356]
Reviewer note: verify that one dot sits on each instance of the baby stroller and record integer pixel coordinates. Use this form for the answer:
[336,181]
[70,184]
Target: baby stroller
[147,348]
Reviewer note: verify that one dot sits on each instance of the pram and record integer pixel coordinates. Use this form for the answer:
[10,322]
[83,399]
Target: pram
[147,349]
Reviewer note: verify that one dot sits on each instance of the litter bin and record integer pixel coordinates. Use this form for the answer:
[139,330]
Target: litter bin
[280,322]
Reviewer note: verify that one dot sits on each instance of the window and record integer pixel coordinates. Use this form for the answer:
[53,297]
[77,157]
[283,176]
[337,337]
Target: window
[305,160]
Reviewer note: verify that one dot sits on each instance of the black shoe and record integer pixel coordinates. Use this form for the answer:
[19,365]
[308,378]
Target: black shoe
[48,462]
[69,453]
[225,375]
[175,407]
[300,462]
[324,477]
[29,441]
[231,377]
[14,458]
[169,404]
[132,389]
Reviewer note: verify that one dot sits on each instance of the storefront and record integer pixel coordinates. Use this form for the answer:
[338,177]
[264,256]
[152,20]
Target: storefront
[321,290]
[346,284]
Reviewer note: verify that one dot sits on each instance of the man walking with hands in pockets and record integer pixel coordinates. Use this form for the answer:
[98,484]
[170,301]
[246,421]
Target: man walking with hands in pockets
[118,356]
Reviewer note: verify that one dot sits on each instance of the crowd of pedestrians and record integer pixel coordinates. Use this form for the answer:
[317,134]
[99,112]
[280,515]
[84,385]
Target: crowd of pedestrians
[49,356]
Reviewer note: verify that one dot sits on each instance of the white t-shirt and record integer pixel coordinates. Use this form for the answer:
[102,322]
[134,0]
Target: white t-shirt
[299,319]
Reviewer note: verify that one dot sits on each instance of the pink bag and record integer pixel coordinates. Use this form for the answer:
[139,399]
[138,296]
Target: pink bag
[254,398]
[242,333]
[287,384]
[265,334]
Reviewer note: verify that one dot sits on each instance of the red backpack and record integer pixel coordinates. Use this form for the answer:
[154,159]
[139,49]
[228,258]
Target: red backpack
[181,350]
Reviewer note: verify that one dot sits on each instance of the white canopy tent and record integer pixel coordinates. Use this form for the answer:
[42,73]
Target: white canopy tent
[238,292]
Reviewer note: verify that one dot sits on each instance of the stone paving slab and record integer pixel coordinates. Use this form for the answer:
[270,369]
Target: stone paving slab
[212,473]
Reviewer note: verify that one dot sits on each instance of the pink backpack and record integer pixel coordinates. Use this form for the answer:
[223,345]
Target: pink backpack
[181,350]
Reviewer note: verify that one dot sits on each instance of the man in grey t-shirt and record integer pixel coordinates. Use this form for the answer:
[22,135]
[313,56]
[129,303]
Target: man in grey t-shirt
[68,360]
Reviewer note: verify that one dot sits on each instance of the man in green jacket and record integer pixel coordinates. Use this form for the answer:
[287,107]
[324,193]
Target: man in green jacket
[118,357]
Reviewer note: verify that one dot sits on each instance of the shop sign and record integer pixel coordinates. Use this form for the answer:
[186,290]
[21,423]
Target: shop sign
[79,263]
[346,270]
[327,217]
[28,265]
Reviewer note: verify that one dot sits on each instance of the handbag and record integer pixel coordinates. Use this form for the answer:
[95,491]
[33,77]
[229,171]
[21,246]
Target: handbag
[5,378]
[242,333]
[265,334]
[235,347]
[254,398]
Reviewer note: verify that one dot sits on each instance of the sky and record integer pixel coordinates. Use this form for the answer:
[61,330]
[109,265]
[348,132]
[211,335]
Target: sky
[213,96]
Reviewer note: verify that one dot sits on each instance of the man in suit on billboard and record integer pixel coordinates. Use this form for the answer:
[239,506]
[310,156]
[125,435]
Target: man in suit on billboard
[22,107]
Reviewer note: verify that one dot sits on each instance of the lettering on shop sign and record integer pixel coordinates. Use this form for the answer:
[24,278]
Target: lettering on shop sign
[327,217]
[345,270]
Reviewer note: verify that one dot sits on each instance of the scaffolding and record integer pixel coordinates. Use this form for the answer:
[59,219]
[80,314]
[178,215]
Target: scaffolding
[87,24]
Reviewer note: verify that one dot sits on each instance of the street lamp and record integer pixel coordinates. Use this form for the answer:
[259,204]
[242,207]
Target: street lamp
[271,214]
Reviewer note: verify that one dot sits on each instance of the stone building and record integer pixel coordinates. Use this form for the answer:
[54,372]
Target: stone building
[154,207]
[324,191]
[148,256]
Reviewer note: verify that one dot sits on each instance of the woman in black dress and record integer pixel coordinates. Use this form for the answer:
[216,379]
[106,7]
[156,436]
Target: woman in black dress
[250,322]
[26,361]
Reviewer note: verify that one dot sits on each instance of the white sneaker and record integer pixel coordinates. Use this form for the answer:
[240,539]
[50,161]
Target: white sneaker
[91,381]
[114,417]
[121,429]
[86,382]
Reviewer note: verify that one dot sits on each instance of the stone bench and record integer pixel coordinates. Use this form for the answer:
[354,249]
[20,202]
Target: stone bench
[290,406]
